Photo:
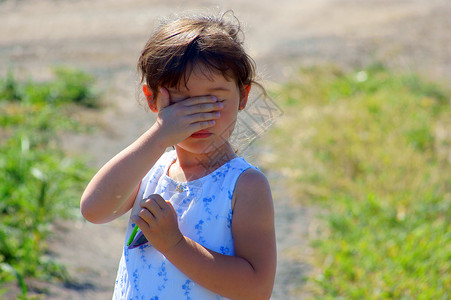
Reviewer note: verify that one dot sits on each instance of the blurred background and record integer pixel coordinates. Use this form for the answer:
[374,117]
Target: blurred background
[359,163]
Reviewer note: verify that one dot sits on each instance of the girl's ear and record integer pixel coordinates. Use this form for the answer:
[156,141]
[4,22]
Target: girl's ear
[150,99]
[244,96]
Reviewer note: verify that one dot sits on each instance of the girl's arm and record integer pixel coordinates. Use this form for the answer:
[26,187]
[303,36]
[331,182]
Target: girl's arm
[113,189]
[247,275]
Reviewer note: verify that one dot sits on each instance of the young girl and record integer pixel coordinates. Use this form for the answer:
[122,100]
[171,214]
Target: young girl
[206,215]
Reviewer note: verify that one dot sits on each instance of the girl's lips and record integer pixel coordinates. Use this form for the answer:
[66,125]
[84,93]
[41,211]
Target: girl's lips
[201,134]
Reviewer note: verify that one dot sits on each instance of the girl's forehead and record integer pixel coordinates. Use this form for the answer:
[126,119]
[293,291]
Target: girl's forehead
[203,78]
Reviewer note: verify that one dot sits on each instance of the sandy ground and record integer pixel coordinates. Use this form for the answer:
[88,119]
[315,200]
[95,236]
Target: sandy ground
[104,37]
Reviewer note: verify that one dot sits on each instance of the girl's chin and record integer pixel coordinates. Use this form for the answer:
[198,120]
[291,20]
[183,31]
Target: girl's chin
[202,146]
[196,149]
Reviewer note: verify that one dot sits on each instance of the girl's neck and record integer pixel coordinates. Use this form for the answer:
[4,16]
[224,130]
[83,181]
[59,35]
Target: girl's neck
[191,166]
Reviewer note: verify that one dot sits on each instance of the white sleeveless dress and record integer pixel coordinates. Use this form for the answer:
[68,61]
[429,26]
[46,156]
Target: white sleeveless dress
[204,213]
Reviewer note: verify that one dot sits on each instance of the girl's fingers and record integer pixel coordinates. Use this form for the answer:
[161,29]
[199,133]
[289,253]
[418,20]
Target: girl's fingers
[164,99]
[139,221]
[151,205]
[198,100]
[171,208]
[181,119]
[194,107]
[152,198]
[201,117]
[202,125]
[146,215]
[159,201]
[203,107]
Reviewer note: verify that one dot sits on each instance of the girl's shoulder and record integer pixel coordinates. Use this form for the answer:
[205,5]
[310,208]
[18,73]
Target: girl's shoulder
[251,187]
[250,180]
[239,163]
[233,170]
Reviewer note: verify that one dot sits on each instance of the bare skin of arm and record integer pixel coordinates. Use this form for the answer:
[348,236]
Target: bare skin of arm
[247,275]
[113,189]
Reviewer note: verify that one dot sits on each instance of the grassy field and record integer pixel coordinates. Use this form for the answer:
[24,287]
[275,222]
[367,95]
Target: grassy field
[373,148]
[38,183]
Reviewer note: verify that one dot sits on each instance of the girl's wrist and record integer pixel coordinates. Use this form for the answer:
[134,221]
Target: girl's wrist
[156,137]
[172,251]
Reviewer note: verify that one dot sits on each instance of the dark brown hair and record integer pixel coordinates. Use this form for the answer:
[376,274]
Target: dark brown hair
[177,46]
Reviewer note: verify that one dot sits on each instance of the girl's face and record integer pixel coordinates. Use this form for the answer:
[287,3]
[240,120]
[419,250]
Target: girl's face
[201,83]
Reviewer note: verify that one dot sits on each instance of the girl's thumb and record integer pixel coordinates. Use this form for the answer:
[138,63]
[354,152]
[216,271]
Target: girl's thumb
[164,99]
[172,207]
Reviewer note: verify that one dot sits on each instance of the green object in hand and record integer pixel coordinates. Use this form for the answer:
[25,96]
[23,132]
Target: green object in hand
[132,236]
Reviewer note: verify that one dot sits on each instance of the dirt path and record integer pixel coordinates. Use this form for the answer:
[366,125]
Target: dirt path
[103,37]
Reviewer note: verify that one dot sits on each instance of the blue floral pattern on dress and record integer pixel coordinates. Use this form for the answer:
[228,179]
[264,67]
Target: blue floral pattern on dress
[163,276]
[187,288]
[199,229]
[204,213]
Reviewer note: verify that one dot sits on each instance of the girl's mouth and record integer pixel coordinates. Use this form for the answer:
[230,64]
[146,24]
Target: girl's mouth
[201,134]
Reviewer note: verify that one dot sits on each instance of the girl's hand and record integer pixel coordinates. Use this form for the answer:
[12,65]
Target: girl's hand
[178,121]
[158,221]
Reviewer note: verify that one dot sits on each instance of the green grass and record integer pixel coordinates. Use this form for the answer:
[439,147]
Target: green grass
[38,183]
[374,148]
